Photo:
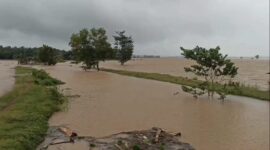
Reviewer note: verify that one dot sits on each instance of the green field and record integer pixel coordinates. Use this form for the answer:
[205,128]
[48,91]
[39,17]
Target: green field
[25,111]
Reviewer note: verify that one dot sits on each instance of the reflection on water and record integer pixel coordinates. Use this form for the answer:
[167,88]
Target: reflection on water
[111,103]
[251,72]
[6,75]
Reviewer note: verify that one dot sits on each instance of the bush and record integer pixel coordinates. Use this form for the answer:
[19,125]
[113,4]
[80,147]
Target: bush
[43,78]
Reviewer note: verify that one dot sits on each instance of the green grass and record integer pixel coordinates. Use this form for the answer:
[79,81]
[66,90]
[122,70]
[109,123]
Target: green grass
[239,91]
[24,111]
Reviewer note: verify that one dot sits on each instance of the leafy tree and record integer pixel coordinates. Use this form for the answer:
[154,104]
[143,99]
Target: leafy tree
[212,66]
[23,59]
[90,46]
[47,55]
[124,47]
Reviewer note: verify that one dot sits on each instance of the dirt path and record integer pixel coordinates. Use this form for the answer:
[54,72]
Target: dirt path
[111,103]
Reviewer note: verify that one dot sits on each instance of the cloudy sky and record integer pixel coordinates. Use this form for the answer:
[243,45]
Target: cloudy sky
[159,27]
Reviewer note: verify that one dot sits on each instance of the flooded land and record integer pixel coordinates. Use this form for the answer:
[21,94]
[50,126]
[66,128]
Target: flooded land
[251,72]
[6,76]
[109,103]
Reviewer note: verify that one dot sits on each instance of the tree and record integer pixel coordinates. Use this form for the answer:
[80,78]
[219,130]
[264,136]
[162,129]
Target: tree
[90,46]
[124,47]
[212,66]
[257,56]
[47,55]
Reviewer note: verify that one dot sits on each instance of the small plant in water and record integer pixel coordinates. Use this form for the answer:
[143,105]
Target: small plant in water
[136,147]
[92,145]
[213,67]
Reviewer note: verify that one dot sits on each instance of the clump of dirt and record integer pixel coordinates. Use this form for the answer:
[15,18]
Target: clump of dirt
[154,139]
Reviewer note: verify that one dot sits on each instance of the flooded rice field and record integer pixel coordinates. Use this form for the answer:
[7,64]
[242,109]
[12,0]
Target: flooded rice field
[6,75]
[110,103]
[250,72]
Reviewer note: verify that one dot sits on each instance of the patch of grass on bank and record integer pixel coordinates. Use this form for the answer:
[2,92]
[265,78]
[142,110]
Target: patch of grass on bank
[25,111]
[240,91]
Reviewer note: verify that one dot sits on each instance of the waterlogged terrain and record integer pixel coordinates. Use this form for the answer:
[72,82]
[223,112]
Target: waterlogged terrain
[251,72]
[110,103]
[7,73]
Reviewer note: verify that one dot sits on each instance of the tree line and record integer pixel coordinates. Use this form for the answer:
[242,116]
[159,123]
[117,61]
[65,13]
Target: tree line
[23,53]
[89,46]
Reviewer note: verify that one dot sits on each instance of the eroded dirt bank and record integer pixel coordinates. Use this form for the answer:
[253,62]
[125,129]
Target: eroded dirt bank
[7,73]
[111,103]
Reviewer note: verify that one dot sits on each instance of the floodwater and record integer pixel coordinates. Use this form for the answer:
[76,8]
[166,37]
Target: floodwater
[111,103]
[7,73]
[250,72]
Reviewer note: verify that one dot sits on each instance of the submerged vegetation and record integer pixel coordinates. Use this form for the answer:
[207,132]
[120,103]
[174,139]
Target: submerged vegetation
[24,112]
[232,89]
[214,67]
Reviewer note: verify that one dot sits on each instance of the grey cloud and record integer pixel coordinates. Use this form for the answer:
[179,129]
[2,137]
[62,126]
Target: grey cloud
[240,27]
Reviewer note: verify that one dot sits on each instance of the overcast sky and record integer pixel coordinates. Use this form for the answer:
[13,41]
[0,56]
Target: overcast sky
[159,27]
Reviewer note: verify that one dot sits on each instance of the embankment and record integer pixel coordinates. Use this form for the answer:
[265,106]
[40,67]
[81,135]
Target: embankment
[238,91]
[25,110]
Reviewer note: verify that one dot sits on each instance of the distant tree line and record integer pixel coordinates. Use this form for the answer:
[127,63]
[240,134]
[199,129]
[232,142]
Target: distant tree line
[145,56]
[9,52]
[35,54]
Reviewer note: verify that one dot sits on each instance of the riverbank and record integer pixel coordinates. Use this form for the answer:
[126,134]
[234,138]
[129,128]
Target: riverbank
[25,110]
[242,90]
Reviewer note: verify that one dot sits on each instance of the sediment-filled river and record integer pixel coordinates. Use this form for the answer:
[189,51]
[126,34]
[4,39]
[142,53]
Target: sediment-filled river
[251,72]
[111,103]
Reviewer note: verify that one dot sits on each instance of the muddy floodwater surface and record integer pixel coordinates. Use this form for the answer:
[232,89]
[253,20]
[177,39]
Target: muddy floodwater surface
[250,72]
[111,103]
[7,73]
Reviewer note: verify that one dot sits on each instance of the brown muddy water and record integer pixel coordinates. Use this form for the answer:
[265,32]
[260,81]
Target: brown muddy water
[7,73]
[250,72]
[111,103]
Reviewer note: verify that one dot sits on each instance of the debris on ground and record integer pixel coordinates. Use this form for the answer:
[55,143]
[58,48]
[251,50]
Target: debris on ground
[154,139]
